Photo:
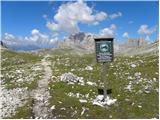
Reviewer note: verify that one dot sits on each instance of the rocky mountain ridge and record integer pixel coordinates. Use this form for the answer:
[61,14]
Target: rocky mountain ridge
[85,42]
[79,41]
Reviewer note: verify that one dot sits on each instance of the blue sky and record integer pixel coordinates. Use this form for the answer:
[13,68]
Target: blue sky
[20,18]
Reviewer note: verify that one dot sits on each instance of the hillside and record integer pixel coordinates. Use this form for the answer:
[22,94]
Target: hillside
[64,82]
[148,49]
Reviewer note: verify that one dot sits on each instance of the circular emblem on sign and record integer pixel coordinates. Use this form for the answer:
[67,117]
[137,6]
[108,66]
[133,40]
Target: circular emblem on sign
[104,47]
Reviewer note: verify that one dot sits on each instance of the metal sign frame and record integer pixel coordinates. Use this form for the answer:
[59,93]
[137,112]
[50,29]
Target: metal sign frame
[103,40]
[103,50]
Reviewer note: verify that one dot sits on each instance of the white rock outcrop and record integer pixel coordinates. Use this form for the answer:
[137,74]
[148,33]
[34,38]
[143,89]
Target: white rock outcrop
[71,78]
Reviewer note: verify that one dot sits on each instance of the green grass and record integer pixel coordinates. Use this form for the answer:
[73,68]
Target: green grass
[121,65]
[10,76]
[12,61]
[16,58]
[30,86]
[117,75]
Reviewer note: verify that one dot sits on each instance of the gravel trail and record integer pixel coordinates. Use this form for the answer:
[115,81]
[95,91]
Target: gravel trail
[41,95]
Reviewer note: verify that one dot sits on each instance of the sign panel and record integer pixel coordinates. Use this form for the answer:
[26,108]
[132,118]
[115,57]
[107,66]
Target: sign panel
[104,49]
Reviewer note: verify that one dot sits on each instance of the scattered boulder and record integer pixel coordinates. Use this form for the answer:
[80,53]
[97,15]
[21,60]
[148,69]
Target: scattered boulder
[137,74]
[82,101]
[91,83]
[63,108]
[89,68]
[71,78]
[139,106]
[129,87]
[133,65]
[18,71]
[129,78]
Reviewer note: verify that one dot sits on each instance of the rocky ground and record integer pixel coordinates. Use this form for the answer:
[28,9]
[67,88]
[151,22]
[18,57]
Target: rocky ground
[11,99]
[61,84]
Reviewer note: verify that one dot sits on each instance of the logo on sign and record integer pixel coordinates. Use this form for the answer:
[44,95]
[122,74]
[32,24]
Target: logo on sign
[104,47]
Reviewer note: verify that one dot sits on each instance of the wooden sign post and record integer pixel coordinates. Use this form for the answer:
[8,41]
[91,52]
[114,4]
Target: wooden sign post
[104,53]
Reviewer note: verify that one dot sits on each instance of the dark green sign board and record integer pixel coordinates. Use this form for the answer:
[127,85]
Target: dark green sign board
[104,49]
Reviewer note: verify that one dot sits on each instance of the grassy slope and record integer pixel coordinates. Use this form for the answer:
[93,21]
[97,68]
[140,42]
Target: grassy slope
[24,62]
[12,61]
[117,78]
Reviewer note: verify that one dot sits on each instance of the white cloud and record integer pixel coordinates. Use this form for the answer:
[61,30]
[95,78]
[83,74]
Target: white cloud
[115,15]
[52,26]
[125,35]
[70,14]
[100,16]
[9,36]
[36,36]
[108,32]
[144,30]
[34,31]
[37,39]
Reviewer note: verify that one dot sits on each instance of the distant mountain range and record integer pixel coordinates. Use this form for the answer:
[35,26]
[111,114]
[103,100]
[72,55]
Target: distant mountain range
[84,42]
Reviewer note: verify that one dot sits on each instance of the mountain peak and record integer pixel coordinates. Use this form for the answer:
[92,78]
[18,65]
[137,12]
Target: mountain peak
[79,40]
